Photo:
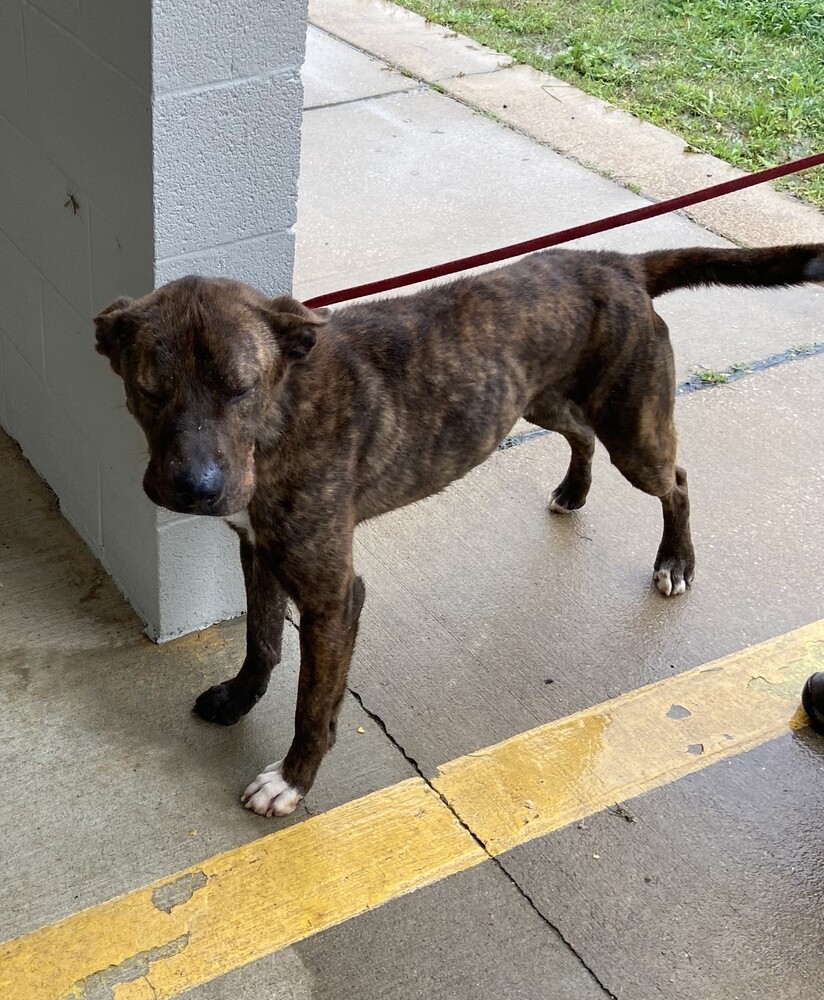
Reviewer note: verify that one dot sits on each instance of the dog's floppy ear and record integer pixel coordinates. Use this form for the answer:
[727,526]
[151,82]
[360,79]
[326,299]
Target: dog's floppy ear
[115,328]
[294,325]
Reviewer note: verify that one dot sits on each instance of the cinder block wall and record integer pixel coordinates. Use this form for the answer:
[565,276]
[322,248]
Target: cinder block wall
[139,141]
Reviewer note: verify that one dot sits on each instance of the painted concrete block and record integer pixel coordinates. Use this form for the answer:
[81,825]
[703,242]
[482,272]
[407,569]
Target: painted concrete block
[129,532]
[200,577]
[121,34]
[4,420]
[226,163]
[265,262]
[89,118]
[98,185]
[166,517]
[121,257]
[13,96]
[224,40]
[26,399]
[54,445]
[84,522]
[65,12]
[21,318]
[35,217]
[71,470]
[84,383]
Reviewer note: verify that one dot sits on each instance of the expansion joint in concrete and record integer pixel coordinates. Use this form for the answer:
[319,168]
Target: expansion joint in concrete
[495,860]
[357,100]
[426,81]
[736,372]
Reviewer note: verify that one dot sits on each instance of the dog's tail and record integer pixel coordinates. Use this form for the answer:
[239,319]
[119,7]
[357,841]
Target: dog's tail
[666,270]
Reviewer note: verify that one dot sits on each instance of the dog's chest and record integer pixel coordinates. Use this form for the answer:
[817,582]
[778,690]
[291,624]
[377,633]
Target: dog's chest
[241,523]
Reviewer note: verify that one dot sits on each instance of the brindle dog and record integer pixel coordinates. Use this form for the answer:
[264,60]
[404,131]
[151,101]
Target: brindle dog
[295,425]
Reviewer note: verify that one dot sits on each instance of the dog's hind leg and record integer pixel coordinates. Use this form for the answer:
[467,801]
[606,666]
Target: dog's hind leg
[647,460]
[561,415]
[675,562]
[228,702]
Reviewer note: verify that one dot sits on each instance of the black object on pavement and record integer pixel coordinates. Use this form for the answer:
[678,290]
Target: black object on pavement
[812,698]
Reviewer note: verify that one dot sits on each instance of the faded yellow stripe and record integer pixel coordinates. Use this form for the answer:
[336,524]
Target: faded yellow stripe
[258,898]
[252,901]
[542,780]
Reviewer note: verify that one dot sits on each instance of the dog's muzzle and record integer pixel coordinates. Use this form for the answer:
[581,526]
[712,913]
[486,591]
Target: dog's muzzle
[199,489]
[191,489]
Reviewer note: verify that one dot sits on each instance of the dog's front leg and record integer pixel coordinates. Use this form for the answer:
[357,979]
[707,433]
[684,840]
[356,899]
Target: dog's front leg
[327,641]
[226,703]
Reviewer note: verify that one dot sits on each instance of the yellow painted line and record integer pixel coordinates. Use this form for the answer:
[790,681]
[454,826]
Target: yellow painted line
[542,780]
[251,901]
[261,897]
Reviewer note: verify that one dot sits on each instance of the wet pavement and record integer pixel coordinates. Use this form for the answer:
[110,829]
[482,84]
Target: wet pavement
[690,869]
[712,891]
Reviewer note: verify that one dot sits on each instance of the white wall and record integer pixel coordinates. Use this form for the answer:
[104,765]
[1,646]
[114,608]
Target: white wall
[171,128]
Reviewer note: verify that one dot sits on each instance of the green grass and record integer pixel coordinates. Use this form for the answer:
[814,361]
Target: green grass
[710,376]
[742,79]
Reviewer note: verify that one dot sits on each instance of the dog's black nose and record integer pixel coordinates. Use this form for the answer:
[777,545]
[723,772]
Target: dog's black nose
[198,485]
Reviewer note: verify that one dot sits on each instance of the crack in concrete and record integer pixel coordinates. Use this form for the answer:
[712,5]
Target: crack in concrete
[496,861]
[101,985]
[171,894]
[459,819]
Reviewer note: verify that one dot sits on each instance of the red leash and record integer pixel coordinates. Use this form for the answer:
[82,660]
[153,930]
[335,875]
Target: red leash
[566,235]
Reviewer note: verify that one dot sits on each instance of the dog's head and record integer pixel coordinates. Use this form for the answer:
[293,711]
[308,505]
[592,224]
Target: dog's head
[201,359]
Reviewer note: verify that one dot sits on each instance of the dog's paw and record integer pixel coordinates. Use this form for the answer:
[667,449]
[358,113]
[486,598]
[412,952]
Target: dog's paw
[566,498]
[672,577]
[221,704]
[558,506]
[270,795]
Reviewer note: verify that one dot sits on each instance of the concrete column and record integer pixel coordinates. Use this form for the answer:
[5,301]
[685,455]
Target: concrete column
[139,141]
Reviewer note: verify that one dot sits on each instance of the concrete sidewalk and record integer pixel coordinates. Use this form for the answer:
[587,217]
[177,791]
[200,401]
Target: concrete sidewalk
[485,618]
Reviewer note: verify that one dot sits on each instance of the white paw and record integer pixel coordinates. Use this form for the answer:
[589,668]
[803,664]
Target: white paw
[668,585]
[270,795]
[556,508]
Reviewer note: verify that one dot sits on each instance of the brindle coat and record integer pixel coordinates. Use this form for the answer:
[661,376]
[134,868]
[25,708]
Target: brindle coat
[310,423]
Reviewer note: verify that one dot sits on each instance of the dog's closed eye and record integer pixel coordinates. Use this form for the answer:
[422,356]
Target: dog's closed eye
[152,397]
[239,393]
